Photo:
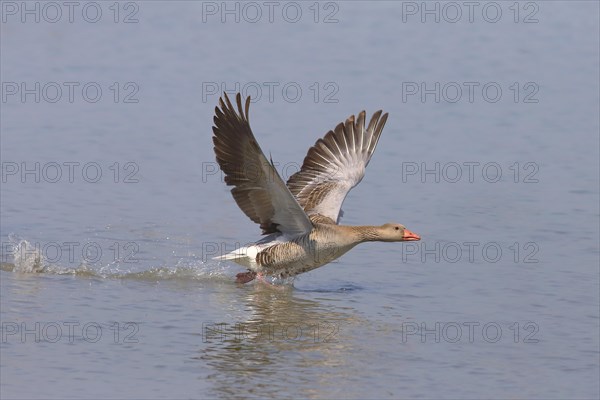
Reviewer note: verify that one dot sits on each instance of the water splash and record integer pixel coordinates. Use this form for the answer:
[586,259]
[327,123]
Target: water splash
[28,258]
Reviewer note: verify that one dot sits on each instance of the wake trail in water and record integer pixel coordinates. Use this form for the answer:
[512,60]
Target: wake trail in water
[28,258]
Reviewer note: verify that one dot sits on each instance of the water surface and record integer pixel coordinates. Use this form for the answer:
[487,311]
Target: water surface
[107,287]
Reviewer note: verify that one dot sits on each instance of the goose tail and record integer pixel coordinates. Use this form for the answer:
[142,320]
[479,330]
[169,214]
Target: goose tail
[245,256]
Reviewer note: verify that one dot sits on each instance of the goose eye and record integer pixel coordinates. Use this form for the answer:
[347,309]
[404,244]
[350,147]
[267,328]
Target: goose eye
[396,228]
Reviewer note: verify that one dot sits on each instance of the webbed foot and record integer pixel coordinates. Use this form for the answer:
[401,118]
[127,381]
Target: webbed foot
[245,277]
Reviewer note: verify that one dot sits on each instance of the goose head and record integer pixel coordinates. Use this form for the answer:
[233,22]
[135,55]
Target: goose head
[392,232]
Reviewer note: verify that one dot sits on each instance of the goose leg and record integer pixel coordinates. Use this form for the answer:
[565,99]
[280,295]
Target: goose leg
[245,277]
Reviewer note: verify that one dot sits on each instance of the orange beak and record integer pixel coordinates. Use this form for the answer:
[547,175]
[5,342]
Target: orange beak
[409,236]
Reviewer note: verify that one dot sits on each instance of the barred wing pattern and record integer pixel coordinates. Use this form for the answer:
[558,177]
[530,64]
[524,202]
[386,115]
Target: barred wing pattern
[335,164]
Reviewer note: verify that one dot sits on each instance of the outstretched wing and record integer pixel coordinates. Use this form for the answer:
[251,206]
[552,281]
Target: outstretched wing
[335,164]
[259,190]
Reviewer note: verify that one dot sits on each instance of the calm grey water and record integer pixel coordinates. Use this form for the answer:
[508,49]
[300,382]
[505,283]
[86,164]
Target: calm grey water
[111,206]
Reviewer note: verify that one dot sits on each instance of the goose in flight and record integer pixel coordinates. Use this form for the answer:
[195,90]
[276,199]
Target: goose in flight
[300,218]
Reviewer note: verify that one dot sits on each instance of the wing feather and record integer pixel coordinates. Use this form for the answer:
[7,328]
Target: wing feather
[258,189]
[335,164]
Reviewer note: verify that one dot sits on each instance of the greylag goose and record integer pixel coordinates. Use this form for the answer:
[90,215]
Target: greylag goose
[300,218]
